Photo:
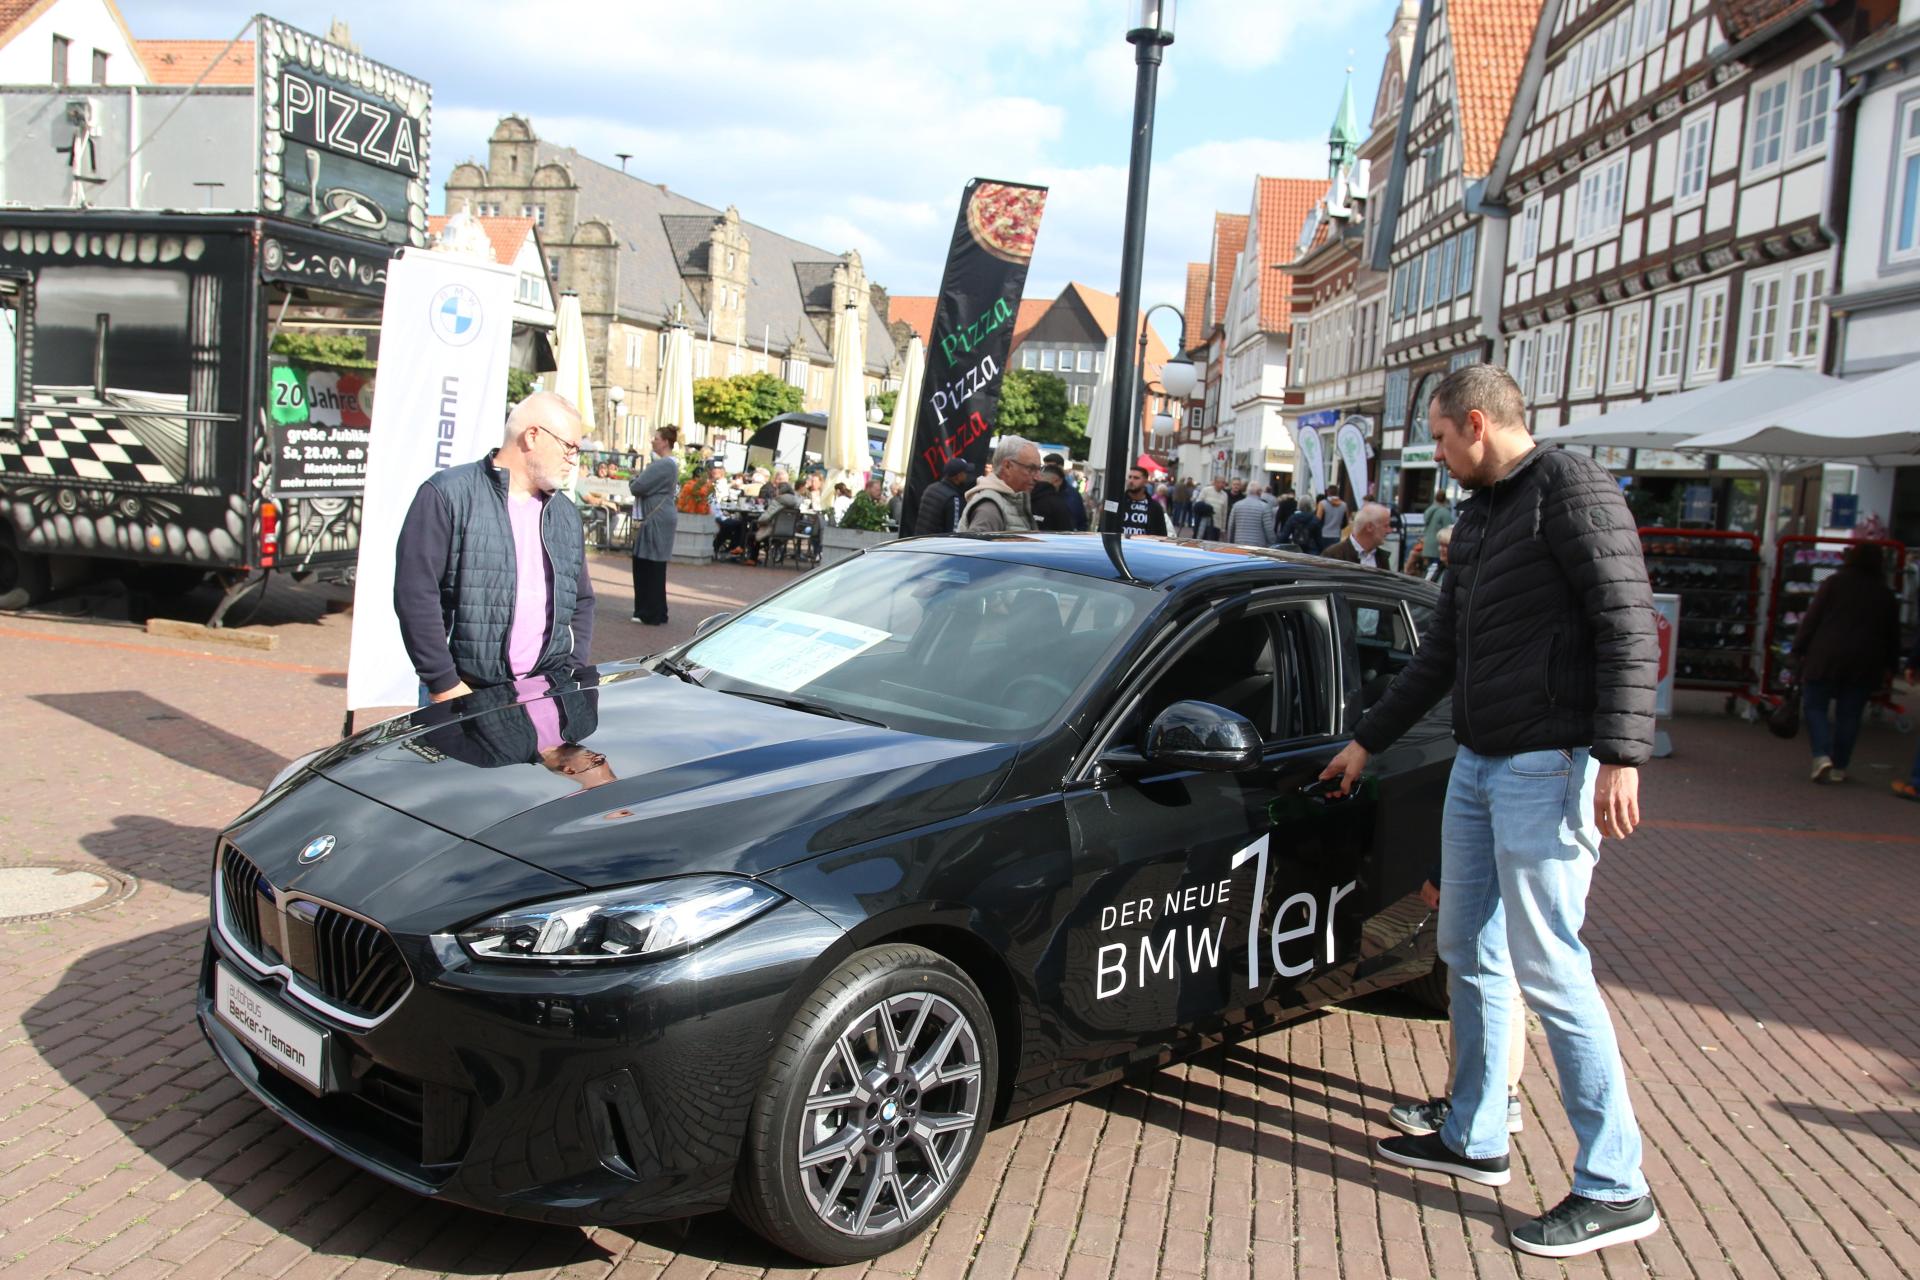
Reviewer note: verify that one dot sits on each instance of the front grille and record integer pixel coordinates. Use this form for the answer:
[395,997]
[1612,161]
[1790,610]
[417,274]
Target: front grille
[353,964]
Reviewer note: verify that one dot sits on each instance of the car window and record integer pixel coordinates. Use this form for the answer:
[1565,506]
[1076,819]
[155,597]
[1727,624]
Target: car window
[1379,642]
[1271,665]
[956,646]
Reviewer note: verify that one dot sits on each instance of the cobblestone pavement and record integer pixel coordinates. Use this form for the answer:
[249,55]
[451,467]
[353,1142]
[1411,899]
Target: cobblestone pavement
[1756,941]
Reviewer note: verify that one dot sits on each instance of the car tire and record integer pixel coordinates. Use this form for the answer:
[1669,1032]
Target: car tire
[1430,988]
[880,1171]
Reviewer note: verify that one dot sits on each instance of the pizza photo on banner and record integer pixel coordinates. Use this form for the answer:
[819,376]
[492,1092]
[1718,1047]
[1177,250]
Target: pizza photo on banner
[972,329]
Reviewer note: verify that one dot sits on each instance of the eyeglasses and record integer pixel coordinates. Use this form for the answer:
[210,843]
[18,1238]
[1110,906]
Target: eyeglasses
[1026,466]
[569,447]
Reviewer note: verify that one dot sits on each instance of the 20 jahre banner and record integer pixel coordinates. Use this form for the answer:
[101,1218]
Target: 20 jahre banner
[972,329]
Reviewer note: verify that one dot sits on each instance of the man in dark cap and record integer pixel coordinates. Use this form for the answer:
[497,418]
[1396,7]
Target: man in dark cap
[940,503]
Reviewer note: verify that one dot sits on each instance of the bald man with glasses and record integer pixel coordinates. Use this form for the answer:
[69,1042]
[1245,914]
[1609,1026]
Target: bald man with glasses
[490,581]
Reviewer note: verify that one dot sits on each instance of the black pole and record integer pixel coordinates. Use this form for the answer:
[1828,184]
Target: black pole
[1146,56]
[1140,409]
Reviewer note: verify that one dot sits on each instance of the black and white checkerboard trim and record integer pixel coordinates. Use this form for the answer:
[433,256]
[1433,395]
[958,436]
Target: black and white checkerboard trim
[72,444]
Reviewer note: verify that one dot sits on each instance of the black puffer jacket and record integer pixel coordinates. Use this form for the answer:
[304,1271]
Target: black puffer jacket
[1545,627]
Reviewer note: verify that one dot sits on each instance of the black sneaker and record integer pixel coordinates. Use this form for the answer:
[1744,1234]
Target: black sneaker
[1426,1151]
[1578,1225]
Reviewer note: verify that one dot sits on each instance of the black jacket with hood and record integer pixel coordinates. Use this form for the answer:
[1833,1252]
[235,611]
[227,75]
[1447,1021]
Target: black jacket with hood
[1545,629]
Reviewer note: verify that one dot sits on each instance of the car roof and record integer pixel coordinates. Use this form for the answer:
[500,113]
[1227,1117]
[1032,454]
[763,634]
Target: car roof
[1151,561]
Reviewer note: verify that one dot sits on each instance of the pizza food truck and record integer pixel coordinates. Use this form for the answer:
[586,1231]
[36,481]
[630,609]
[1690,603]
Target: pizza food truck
[189,319]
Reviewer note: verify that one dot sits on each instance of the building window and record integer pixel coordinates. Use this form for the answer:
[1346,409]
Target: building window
[1906,212]
[1696,149]
[636,350]
[1530,231]
[1761,320]
[1469,239]
[1669,339]
[1709,333]
[1629,328]
[1029,359]
[61,46]
[1589,333]
[1520,353]
[99,66]
[1806,316]
[1766,123]
[1414,269]
[1603,188]
[1649,23]
[1046,360]
[538,212]
[553,267]
[1812,88]
[1099,362]
[1546,382]
[1430,289]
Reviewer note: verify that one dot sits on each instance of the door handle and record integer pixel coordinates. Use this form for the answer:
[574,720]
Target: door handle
[1320,790]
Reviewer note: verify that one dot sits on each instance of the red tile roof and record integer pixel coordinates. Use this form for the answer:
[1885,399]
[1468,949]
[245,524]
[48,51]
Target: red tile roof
[1229,238]
[507,235]
[1490,43]
[1283,204]
[915,309]
[1031,309]
[17,13]
[1105,308]
[1744,17]
[1196,303]
[183,61]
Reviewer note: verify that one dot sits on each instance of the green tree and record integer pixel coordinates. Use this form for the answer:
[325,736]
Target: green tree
[1033,404]
[323,348]
[771,396]
[885,402]
[1076,432]
[519,386]
[724,403]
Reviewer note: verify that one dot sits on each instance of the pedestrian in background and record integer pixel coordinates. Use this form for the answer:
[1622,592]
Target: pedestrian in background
[1848,644]
[1051,514]
[653,525]
[1553,718]
[1909,789]
[1282,512]
[1076,505]
[999,501]
[490,575]
[1333,519]
[1250,523]
[1182,511]
[1139,513]
[1363,545]
[941,501]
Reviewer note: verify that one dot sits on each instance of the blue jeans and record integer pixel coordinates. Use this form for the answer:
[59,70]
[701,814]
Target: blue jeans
[1834,738]
[1518,848]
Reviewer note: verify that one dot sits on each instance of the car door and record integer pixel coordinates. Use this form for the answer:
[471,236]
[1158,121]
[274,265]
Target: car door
[1378,633]
[1204,899]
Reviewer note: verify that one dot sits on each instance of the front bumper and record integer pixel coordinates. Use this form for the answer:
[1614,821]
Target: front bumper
[602,1096]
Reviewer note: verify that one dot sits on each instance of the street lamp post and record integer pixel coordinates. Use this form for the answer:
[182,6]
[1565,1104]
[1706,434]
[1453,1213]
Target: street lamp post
[1150,34]
[617,429]
[1177,376]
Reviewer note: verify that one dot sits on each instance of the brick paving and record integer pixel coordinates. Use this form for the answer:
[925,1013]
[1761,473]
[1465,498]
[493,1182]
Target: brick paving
[1756,941]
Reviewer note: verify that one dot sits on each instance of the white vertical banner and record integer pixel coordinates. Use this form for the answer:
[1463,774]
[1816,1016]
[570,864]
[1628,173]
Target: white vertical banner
[1350,438]
[1307,447]
[445,343]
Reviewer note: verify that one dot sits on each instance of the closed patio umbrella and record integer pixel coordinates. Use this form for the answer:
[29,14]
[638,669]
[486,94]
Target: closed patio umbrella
[847,453]
[573,378]
[1099,416]
[906,412]
[674,408]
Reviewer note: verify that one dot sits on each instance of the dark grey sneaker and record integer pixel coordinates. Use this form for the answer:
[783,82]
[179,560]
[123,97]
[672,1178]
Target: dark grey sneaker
[1426,1151]
[1578,1225]
[1419,1118]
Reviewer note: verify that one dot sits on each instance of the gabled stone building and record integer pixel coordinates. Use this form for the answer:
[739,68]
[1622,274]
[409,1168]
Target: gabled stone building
[640,255]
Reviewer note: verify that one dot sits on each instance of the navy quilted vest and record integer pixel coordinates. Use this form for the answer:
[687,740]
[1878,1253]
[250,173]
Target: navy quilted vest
[477,591]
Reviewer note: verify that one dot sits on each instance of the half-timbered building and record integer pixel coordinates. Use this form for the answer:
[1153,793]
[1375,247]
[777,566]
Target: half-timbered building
[1665,168]
[1447,246]
[1259,327]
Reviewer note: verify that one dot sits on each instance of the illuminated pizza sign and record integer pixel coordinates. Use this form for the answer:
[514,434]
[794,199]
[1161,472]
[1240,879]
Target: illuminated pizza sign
[343,138]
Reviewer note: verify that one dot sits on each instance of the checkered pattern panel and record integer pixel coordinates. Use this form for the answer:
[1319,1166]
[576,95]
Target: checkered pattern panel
[73,444]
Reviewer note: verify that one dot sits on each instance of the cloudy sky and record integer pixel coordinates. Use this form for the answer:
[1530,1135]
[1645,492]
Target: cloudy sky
[855,123]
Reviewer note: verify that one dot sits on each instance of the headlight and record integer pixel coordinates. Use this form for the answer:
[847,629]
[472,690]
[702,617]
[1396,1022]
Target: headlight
[620,924]
[293,768]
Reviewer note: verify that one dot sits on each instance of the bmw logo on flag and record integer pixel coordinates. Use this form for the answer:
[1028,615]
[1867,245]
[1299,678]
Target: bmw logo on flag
[316,849]
[455,315]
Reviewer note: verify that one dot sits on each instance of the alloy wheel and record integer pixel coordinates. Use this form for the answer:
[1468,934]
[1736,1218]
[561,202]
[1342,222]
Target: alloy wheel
[889,1115]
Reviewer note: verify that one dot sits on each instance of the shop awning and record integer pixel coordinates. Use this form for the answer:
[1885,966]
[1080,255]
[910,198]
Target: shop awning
[1870,420]
[1666,421]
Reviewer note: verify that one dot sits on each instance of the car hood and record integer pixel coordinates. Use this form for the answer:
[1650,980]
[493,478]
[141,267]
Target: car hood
[694,780]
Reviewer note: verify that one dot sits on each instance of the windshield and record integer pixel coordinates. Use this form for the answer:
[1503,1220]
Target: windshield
[955,646]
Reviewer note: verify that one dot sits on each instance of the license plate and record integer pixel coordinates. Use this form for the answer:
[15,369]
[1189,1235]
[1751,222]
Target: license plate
[282,1039]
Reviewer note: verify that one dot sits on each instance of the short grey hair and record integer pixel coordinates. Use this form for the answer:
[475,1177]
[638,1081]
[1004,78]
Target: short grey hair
[539,408]
[1255,489]
[1009,450]
[1373,513]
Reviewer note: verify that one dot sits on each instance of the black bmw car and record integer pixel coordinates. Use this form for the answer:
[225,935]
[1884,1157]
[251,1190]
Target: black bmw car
[786,918]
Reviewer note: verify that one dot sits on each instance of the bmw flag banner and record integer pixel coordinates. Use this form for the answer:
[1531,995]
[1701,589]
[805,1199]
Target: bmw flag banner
[445,343]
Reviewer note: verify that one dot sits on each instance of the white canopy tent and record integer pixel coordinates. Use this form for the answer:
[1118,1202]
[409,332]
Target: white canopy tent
[1665,421]
[1874,420]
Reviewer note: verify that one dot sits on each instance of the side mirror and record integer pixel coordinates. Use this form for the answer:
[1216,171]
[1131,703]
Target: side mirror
[1199,735]
[709,622]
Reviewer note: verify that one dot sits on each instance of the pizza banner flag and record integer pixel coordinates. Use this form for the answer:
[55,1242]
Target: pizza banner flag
[972,330]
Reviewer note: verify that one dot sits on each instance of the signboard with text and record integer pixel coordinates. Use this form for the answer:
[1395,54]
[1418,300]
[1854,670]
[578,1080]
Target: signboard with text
[972,330]
[343,139]
[321,415]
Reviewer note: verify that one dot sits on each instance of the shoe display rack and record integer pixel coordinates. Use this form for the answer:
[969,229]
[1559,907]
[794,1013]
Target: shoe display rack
[1801,564]
[1716,574]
